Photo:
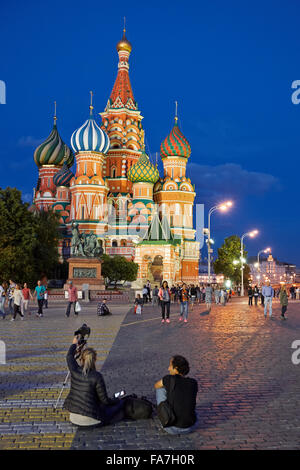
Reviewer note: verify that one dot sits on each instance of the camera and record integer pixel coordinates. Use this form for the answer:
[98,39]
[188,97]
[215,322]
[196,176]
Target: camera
[83,331]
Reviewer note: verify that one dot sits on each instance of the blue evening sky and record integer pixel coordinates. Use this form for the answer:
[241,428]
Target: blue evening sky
[229,64]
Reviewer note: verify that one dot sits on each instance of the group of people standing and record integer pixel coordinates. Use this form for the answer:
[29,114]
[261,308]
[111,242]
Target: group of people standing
[181,293]
[17,298]
[266,294]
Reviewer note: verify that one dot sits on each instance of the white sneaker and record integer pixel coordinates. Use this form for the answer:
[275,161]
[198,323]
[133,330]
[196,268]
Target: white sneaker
[12,319]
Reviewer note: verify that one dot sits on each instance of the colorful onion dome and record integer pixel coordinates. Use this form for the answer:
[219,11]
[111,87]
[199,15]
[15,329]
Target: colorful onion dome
[175,144]
[52,151]
[143,171]
[124,44]
[90,138]
[64,175]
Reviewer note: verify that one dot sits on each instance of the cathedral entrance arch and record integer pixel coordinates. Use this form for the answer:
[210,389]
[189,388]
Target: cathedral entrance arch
[157,269]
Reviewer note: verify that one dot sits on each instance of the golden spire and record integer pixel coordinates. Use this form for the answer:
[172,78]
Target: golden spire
[91,105]
[176,111]
[124,44]
[54,117]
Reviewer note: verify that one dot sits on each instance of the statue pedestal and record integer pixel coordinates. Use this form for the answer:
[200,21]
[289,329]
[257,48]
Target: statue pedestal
[86,271]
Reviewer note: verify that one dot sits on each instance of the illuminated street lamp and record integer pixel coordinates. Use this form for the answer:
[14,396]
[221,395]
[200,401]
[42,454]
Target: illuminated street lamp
[266,250]
[251,234]
[223,207]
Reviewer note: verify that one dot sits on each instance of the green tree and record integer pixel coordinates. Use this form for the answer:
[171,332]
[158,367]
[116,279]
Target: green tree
[227,253]
[28,240]
[117,268]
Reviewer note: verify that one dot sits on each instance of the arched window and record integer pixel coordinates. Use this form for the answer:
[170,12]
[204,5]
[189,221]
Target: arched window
[114,243]
[113,172]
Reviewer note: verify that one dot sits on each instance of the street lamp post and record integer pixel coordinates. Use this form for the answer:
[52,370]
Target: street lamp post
[266,250]
[223,207]
[247,234]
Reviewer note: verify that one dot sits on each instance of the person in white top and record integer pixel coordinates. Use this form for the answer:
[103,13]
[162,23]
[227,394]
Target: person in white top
[18,299]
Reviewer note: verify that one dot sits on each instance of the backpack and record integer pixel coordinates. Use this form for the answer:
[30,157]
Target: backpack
[137,408]
[165,410]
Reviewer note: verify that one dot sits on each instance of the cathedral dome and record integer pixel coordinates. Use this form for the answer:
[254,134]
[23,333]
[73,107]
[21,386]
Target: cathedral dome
[90,138]
[143,171]
[175,144]
[63,176]
[124,44]
[52,151]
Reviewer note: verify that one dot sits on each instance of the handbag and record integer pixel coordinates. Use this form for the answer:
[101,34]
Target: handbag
[165,411]
[77,307]
[137,408]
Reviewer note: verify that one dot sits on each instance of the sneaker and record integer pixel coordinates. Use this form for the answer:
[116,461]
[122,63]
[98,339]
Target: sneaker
[12,319]
[163,321]
[22,318]
[180,318]
[185,321]
[167,320]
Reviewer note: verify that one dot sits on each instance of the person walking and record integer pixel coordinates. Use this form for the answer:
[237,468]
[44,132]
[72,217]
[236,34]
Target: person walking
[193,295]
[39,293]
[145,294]
[256,294]
[250,295]
[155,291]
[184,303]
[164,295]
[138,305]
[10,298]
[148,285]
[18,296]
[72,297]
[217,295]
[26,298]
[46,298]
[208,297]
[2,299]
[268,292]
[283,298]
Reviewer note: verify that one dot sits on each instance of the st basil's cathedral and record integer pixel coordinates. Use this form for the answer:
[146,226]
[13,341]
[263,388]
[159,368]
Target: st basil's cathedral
[116,193]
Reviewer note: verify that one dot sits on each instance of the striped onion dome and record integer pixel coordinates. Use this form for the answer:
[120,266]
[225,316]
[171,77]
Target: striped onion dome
[143,171]
[175,144]
[63,176]
[90,138]
[52,151]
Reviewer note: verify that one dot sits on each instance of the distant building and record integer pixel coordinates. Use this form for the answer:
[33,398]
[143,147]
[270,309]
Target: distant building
[271,269]
[203,274]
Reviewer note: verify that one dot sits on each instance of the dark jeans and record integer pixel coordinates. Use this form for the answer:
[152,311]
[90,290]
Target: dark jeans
[69,308]
[145,298]
[283,310]
[17,309]
[40,304]
[164,306]
[256,299]
[250,301]
[262,300]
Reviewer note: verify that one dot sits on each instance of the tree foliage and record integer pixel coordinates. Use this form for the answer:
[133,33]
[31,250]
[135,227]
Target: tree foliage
[117,268]
[28,240]
[227,253]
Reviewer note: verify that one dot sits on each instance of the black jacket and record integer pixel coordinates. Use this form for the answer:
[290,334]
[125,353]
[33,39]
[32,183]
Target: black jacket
[88,395]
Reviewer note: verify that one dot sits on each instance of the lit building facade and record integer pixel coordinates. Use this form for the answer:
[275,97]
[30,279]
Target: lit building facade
[116,192]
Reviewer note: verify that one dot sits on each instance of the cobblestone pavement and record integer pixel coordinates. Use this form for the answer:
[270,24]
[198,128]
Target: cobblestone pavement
[249,389]
[35,369]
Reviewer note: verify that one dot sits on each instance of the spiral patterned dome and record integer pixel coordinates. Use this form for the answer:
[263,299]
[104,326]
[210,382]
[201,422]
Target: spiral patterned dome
[175,144]
[52,151]
[143,171]
[90,138]
[63,176]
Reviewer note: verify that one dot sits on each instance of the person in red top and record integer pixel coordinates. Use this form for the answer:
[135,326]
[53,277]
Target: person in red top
[26,298]
[73,297]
